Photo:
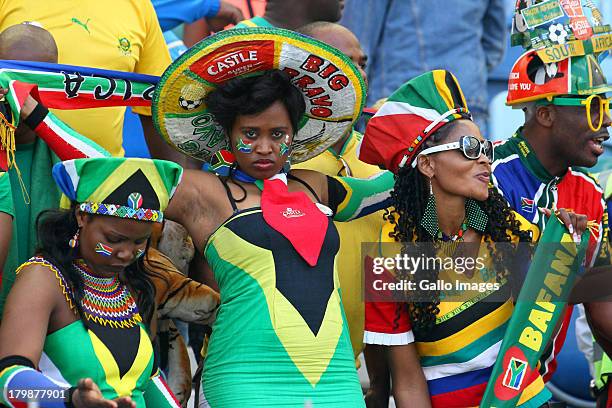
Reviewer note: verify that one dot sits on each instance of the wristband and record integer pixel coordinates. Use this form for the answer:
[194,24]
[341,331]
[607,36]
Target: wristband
[12,360]
[38,115]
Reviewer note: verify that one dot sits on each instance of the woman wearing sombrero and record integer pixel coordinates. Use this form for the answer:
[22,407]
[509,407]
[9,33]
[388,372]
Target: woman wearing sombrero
[247,102]
[425,135]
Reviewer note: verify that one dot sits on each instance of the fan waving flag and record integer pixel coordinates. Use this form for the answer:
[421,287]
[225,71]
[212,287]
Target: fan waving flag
[64,87]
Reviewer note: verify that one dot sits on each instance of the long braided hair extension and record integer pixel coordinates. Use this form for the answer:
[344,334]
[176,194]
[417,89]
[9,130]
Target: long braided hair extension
[409,200]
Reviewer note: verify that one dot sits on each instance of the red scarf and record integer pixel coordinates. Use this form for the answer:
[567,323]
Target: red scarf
[295,216]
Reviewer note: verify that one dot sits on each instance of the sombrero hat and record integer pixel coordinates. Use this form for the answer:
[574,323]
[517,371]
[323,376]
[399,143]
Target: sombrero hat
[333,89]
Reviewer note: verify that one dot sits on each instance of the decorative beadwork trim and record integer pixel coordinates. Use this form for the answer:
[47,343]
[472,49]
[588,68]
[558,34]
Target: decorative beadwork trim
[421,137]
[122,211]
[37,260]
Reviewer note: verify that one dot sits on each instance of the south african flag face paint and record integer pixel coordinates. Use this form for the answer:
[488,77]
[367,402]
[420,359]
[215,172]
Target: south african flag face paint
[140,253]
[244,146]
[284,146]
[104,250]
[283,149]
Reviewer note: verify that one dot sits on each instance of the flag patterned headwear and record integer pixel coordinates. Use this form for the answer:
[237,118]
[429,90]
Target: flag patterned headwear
[560,29]
[565,42]
[332,87]
[532,79]
[138,189]
[409,116]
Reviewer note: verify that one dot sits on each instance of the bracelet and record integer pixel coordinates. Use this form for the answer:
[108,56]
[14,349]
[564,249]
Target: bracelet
[38,115]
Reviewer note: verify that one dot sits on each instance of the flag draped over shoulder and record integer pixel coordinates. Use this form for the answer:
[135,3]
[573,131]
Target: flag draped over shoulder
[64,87]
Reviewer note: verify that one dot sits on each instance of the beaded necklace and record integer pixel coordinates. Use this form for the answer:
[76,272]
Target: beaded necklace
[106,301]
[456,237]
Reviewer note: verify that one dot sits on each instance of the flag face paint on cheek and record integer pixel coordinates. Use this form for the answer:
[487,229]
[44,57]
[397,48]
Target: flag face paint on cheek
[140,253]
[284,146]
[283,149]
[244,146]
[104,250]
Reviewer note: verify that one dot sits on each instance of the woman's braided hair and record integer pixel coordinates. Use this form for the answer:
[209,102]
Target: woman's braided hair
[409,199]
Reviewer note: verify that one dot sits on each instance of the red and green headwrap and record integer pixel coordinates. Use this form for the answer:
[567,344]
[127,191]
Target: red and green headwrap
[565,42]
[409,116]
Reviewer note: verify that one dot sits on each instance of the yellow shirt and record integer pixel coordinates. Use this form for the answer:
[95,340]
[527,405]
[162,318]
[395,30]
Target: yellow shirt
[121,35]
[352,234]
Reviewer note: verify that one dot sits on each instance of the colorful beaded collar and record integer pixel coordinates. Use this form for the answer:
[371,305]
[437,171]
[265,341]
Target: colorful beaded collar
[106,301]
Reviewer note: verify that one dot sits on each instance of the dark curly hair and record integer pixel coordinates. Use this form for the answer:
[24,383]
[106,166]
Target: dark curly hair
[254,94]
[409,200]
[55,228]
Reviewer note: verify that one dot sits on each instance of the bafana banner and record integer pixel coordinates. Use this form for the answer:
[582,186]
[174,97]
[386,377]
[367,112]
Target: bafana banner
[540,305]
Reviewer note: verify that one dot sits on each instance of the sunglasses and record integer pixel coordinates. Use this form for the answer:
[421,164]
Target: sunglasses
[597,108]
[471,147]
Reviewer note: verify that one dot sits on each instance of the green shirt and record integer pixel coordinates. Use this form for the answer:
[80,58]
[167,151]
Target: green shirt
[34,161]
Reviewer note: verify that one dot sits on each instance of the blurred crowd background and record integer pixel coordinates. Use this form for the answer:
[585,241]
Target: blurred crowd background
[383,25]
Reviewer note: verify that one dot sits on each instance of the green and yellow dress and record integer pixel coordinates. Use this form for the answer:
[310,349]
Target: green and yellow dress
[110,345]
[280,338]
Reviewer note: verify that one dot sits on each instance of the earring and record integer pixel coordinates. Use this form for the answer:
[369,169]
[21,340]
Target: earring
[74,241]
[430,217]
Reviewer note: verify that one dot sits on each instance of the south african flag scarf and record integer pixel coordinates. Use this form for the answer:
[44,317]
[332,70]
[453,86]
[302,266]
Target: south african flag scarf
[64,87]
